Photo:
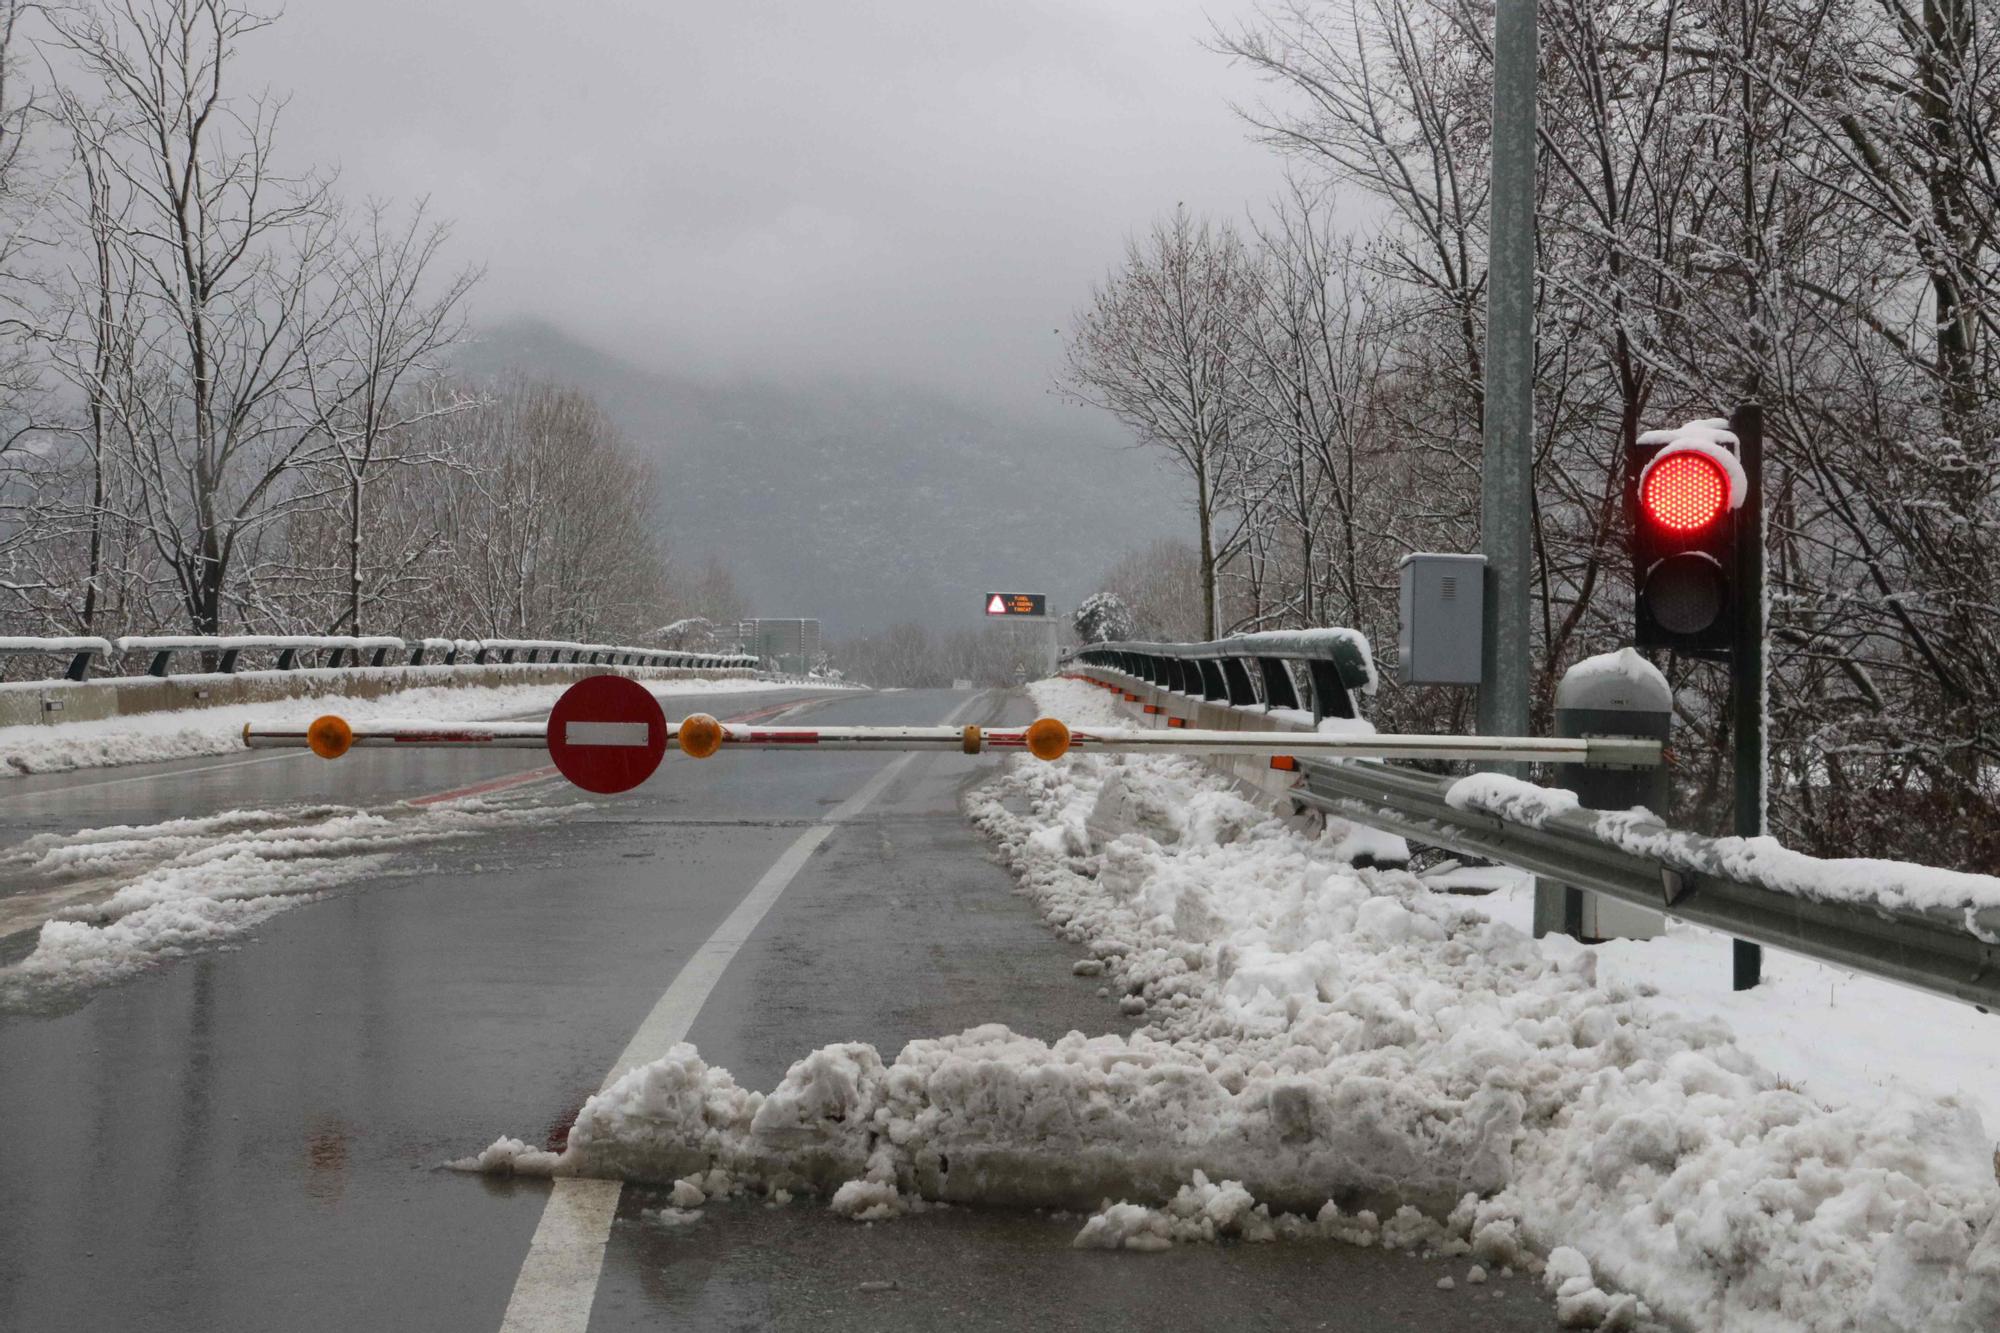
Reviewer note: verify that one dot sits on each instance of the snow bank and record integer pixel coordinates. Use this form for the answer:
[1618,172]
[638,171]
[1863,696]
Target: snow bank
[1326,1035]
[150,737]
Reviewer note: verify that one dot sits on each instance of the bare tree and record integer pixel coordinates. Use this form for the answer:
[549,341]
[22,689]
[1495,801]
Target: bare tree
[1318,356]
[230,263]
[1160,346]
[395,320]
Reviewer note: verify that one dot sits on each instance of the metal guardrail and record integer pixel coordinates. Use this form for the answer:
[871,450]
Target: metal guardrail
[1954,952]
[293,652]
[1250,669]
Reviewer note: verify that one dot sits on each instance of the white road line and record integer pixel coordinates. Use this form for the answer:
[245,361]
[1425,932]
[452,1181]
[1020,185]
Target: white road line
[558,1280]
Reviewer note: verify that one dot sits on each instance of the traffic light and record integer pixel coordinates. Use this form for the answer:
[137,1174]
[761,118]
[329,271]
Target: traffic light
[1682,491]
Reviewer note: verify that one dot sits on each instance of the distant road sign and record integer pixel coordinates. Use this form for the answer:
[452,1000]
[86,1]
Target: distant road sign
[607,734]
[1035,604]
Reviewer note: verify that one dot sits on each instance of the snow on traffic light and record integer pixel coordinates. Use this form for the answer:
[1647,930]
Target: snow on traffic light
[1683,488]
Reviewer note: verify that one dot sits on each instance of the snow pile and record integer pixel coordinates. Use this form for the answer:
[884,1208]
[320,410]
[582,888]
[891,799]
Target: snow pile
[1579,1303]
[188,884]
[150,737]
[1622,675]
[991,1116]
[1510,798]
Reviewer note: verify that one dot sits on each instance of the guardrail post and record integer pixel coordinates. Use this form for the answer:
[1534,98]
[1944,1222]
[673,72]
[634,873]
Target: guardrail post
[1618,694]
[1237,678]
[160,661]
[79,666]
[1279,691]
[1330,696]
[226,664]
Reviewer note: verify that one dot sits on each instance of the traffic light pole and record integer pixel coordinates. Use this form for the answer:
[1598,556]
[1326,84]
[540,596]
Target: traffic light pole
[1506,501]
[1747,685]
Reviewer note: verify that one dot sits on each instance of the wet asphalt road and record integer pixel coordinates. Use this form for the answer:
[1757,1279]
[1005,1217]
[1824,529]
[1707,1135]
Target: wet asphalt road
[251,1139]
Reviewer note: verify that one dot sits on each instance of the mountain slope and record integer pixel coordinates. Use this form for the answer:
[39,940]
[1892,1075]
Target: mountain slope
[865,504]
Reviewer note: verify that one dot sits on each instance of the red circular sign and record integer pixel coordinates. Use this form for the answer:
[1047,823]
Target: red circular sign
[607,734]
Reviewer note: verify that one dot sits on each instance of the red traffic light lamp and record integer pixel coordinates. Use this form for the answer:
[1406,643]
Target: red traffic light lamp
[1684,492]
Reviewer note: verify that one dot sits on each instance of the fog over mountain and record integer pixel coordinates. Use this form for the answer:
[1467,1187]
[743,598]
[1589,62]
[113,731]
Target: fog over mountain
[864,503]
[746,203]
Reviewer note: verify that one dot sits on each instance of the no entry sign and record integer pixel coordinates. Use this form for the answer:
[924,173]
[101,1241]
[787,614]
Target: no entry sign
[607,734]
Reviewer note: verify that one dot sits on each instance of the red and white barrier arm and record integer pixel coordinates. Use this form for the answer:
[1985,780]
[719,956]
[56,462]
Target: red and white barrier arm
[1126,740]
[336,734]
[700,736]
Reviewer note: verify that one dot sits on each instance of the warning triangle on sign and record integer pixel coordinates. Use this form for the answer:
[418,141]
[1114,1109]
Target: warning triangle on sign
[996,607]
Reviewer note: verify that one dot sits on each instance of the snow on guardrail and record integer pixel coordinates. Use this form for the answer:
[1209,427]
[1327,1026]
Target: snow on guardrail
[223,652]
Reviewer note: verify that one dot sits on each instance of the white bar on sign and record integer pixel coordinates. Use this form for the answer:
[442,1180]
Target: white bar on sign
[605,733]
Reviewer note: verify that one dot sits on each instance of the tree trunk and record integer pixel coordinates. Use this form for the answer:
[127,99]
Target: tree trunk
[354,556]
[1207,522]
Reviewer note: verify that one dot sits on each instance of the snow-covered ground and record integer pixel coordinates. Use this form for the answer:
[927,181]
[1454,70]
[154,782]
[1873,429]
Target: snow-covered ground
[149,737]
[1346,1053]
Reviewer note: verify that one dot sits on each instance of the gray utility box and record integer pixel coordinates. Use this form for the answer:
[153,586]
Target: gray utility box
[1443,601]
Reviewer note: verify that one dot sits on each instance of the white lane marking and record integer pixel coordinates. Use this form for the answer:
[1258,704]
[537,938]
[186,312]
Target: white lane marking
[147,777]
[558,1280]
[607,733]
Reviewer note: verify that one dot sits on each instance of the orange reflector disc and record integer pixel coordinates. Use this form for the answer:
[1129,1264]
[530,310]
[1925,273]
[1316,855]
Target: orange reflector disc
[700,735]
[1177,722]
[1047,738]
[1284,763]
[1152,708]
[329,737]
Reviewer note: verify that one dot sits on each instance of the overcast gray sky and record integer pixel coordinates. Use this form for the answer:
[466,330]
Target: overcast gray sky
[921,189]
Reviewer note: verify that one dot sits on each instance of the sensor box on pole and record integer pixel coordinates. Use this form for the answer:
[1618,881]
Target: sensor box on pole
[1443,618]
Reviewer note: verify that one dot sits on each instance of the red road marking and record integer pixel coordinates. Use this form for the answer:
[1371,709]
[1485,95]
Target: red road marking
[492,785]
[522,779]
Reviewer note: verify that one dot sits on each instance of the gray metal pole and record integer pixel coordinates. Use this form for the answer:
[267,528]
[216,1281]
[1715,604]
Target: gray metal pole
[1506,495]
[1749,701]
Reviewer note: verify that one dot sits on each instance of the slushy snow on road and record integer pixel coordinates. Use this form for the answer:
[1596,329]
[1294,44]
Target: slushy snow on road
[123,897]
[1345,1053]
